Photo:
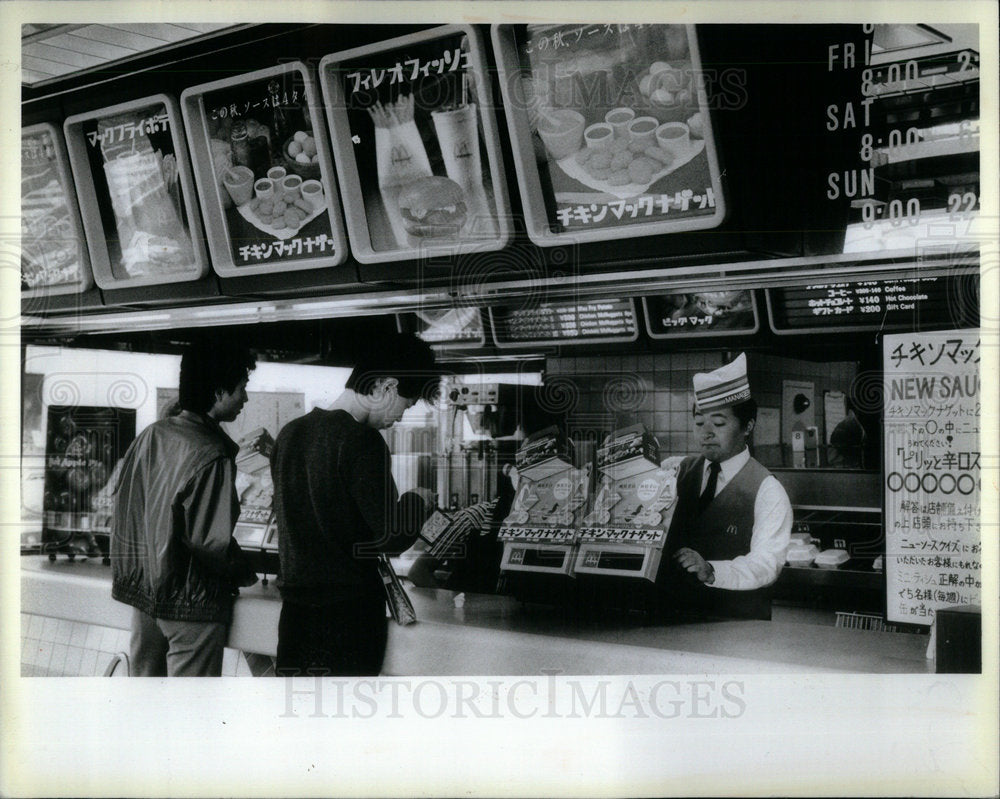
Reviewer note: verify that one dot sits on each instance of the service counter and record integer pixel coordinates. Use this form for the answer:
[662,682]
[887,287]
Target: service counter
[497,635]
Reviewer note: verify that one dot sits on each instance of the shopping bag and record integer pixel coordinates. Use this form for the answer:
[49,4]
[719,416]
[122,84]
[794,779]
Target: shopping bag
[399,603]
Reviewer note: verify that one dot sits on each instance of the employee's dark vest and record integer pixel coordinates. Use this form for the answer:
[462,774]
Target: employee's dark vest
[722,532]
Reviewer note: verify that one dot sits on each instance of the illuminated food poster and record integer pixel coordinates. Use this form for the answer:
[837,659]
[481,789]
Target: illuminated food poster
[700,313]
[53,256]
[417,150]
[83,447]
[446,327]
[611,131]
[136,194]
[264,174]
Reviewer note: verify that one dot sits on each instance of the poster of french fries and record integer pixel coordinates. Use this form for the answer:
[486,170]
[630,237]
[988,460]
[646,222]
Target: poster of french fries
[412,124]
[133,181]
[263,171]
[612,130]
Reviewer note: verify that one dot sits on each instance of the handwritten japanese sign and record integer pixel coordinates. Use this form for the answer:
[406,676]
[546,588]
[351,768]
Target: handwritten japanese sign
[932,479]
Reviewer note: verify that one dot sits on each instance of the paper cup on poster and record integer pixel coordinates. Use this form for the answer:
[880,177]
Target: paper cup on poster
[643,130]
[276,173]
[291,186]
[599,135]
[238,182]
[312,193]
[264,189]
[458,136]
[673,136]
[618,118]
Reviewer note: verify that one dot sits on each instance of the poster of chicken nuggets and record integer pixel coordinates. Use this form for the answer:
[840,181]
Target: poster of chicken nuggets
[611,130]
[264,172]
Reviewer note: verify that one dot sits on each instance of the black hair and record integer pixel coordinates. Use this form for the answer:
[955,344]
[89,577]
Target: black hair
[402,356]
[745,411]
[211,365]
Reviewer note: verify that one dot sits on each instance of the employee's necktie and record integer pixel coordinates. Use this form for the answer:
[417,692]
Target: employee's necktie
[709,493]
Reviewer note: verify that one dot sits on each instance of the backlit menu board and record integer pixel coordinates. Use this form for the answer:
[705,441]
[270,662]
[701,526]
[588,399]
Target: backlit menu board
[264,172]
[703,313]
[932,473]
[53,256]
[566,323]
[417,150]
[136,194]
[446,327]
[876,304]
[610,128]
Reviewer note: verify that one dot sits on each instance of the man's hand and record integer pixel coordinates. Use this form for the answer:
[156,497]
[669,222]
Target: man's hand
[691,561]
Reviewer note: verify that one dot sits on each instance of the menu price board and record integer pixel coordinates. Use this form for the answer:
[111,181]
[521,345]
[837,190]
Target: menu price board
[873,305]
[704,313]
[136,193]
[264,172]
[600,321]
[611,130]
[932,474]
[417,147]
[53,256]
[447,327]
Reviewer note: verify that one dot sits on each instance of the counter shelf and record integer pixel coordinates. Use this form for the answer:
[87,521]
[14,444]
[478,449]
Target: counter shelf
[498,635]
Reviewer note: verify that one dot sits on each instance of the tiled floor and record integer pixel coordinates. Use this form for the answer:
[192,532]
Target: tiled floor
[59,648]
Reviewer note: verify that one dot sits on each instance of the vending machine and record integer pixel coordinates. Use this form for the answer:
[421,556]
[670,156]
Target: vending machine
[256,530]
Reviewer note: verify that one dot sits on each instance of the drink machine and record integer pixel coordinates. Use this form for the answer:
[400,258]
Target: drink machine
[625,530]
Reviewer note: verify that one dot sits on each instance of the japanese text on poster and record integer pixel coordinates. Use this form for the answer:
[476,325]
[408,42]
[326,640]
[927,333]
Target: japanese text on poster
[932,473]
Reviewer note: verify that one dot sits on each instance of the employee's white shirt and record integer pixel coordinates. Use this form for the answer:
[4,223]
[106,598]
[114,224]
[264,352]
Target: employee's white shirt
[772,530]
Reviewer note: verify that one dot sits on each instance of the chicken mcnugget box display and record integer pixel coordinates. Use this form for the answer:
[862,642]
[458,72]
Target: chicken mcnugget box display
[136,194]
[54,259]
[625,528]
[418,155]
[543,453]
[629,451]
[611,130]
[540,532]
[264,172]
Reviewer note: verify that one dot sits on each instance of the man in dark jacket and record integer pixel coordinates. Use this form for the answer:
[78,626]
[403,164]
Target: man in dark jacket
[338,508]
[173,555]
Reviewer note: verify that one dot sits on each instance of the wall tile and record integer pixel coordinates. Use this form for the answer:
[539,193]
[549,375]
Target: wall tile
[88,663]
[74,659]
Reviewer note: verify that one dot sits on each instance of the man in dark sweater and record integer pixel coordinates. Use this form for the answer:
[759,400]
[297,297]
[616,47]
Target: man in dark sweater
[337,509]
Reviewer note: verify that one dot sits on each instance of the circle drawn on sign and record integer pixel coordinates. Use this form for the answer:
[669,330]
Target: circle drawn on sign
[647,490]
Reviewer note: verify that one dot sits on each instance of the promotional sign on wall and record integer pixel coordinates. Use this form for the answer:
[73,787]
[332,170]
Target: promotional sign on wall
[418,155]
[932,473]
[54,256]
[264,172]
[136,194]
[610,128]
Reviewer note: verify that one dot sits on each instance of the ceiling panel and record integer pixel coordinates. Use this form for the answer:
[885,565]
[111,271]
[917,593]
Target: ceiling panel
[53,51]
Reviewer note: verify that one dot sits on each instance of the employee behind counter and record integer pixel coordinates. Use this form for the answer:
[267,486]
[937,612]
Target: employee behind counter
[733,521]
